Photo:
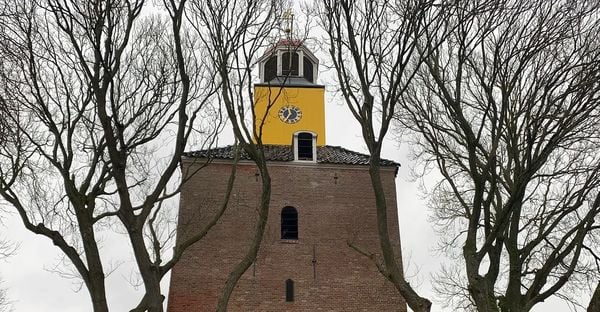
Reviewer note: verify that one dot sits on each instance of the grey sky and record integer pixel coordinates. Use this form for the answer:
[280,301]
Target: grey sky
[32,286]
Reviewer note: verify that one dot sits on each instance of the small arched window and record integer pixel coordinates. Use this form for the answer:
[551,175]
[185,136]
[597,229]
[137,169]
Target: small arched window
[289,223]
[289,290]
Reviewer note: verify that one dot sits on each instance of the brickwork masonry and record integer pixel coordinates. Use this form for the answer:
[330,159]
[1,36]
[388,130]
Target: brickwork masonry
[335,206]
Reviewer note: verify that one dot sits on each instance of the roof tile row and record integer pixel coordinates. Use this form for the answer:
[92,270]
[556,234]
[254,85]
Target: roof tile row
[325,155]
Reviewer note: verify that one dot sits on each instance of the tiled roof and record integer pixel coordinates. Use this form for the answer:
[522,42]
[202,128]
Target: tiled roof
[325,155]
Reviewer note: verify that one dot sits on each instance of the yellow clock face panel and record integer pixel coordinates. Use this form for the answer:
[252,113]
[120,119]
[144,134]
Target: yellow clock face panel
[281,112]
[290,114]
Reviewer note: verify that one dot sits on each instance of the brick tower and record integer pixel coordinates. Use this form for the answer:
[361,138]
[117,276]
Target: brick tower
[321,201]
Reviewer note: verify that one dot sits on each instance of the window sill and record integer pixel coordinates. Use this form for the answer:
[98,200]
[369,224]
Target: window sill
[289,241]
[309,161]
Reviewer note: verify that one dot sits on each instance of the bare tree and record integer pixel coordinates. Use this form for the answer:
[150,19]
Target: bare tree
[235,35]
[373,45]
[6,249]
[93,92]
[506,109]
[4,302]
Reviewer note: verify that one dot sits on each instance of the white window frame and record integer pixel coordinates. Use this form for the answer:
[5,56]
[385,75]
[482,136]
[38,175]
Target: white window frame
[314,146]
[300,63]
[279,64]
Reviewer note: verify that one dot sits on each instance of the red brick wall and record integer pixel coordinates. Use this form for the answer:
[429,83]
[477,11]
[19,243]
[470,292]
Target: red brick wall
[331,212]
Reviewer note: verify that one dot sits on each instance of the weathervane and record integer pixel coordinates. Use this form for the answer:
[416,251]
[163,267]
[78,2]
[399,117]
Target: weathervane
[288,18]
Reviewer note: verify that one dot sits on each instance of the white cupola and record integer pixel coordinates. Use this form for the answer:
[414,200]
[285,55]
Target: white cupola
[288,61]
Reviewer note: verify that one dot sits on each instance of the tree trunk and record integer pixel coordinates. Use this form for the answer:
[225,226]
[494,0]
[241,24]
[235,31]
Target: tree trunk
[482,295]
[96,286]
[594,305]
[394,274]
[479,288]
[95,271]
[250,256]
[153,298]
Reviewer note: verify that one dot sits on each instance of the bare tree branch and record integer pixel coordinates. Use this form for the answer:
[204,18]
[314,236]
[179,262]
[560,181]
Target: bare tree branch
[373,46]
[503,108]
[96,95]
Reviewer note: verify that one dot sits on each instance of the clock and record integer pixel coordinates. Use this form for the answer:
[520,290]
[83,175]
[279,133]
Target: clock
[290,114]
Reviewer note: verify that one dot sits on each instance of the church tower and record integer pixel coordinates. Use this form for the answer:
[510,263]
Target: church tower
[288,100]
[321,204]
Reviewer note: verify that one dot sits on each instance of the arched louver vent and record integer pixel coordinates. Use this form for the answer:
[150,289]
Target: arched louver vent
[289,64]
[271,68]
[308,69]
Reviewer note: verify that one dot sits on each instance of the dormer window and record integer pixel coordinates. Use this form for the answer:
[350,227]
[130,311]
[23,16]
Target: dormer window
[305,146]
